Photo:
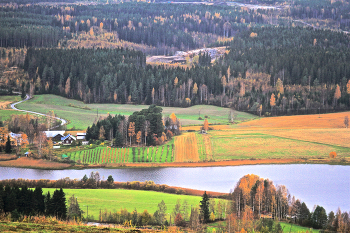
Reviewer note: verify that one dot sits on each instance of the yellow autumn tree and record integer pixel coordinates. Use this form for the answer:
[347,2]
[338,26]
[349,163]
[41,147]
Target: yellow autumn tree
[206,125]
[131,130]
[272,100]
[195,88]
[337,94]
[279,86]
[176,81]
[138,137]
[173,118]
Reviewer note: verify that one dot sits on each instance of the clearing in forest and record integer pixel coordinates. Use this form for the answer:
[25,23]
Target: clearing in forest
[186,148]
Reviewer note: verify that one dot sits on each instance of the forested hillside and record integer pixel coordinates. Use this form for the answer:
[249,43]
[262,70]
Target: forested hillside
[272,69]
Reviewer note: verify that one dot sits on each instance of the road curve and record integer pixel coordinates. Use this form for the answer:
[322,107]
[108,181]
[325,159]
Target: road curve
[63,121]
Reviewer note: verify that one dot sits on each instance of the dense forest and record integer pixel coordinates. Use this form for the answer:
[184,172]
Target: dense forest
[268,69]
[302,68]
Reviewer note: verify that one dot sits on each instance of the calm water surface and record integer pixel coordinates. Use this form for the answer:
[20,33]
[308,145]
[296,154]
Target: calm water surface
[325,185]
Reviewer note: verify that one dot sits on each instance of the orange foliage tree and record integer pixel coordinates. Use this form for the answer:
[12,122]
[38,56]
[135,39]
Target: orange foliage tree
[333,154]
[131,130]
[206,125]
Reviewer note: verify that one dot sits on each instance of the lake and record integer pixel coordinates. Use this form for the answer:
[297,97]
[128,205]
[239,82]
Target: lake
[315,184]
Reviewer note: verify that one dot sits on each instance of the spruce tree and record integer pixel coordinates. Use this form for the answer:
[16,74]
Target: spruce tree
[8,147]
[205,207]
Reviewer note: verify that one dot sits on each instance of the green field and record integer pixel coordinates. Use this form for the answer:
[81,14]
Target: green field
[116,199]
[287,227]
[11,98]
[106,155]
[81,115]
[261,145]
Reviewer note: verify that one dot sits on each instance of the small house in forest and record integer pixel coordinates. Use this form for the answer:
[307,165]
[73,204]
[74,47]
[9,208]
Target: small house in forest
[67,140]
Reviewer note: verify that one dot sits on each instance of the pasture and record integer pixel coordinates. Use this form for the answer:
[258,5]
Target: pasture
[80,115]
[117,199]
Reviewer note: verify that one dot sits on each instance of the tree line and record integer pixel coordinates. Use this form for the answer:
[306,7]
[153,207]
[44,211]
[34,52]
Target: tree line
[23,201]
[143,127]
[256,198]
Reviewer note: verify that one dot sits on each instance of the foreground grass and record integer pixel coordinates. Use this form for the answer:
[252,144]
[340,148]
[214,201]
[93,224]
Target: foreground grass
[81,115]
[287,227]
[117,199]
[59,227]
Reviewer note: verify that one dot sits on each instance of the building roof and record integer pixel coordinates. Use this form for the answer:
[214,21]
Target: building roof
[69,135]
[15,135]
[51,134]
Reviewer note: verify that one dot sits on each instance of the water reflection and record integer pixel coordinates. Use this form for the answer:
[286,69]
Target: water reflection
[326,185]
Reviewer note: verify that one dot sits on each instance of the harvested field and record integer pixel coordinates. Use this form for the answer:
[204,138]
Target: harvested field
[34,163]
[5,157]
[229,145]
[186,148]
[330,120]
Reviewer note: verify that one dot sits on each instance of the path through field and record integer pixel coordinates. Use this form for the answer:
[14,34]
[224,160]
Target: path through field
[63,121]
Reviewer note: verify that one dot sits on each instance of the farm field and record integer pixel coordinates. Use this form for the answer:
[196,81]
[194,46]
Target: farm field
[108,155]
[117,199]
[81,115]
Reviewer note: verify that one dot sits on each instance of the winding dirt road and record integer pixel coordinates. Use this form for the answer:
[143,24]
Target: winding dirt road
[63,121]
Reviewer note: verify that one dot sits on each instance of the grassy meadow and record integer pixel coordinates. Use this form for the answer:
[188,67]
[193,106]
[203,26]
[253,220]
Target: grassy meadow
[117,199]
[80,115]
[287,227]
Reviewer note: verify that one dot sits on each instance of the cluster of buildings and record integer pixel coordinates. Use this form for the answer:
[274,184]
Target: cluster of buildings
[59,137]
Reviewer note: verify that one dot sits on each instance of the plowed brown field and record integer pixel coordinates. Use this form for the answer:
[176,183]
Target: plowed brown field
[34,163]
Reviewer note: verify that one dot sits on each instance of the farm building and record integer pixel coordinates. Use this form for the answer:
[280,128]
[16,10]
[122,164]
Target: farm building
[67,140]
[55,135]
[81,136]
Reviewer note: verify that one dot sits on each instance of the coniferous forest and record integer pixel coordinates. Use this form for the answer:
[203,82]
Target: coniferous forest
[290,59]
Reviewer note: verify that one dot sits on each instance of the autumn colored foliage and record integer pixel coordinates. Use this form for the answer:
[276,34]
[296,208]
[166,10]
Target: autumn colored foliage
[333,154]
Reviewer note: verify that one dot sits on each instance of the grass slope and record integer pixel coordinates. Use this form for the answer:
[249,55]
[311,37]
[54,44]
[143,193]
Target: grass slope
[116,199]
[287,227]
[82,115]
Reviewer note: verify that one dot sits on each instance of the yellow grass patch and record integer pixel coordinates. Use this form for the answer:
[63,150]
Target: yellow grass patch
[331,120]
[338,137]
[186,149]
[211,127]
[4,105]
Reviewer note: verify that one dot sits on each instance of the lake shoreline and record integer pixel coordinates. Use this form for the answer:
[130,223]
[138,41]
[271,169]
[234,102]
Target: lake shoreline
[51,165]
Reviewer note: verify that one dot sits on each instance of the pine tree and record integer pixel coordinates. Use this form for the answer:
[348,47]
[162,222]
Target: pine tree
[205,207]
